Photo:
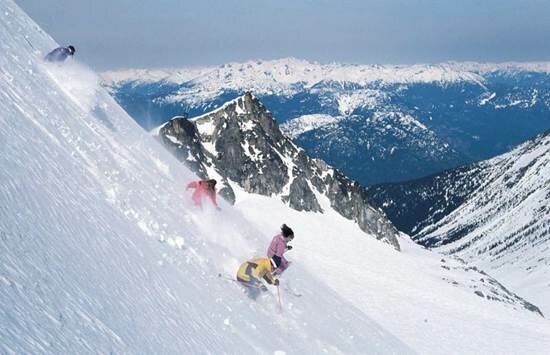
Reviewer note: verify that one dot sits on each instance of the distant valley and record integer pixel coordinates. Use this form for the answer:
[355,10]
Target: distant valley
[376,124]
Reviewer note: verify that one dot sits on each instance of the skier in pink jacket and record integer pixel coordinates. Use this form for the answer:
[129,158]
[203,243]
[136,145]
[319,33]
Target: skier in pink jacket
[203,189]
[279,245]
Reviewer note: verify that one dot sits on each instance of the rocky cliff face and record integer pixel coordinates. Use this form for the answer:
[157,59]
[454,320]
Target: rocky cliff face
[240,143]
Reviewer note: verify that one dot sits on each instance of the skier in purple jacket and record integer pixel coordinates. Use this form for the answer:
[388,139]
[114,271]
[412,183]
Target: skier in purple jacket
[279,245]
[59,54]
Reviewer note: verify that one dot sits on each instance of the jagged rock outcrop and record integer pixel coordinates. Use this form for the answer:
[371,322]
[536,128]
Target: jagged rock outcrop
[242,143]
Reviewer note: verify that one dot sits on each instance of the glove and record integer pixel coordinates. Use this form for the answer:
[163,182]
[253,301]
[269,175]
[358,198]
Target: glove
[289,247]
[276,282]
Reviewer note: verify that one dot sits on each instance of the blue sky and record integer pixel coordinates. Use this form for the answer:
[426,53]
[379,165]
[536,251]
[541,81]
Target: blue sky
[110,34]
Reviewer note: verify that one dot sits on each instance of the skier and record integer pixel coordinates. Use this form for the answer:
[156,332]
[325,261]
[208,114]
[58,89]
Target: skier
[59,54]
[279,246]
[251,273]
[203,188]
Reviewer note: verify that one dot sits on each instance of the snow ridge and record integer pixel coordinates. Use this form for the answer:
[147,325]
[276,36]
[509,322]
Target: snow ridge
[493,214]
[279,76]
[293,70]
[504,223]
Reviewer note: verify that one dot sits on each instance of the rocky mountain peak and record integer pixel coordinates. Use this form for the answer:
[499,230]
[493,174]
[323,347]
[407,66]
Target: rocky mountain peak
[241,143]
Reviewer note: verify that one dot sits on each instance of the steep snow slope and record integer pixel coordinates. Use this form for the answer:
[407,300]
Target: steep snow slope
[493,213]
[87,199]
[434,303]
[99,251]
[504,223]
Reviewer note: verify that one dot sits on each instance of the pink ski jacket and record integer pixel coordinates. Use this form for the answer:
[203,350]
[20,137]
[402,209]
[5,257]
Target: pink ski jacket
[278,247]
[201,191]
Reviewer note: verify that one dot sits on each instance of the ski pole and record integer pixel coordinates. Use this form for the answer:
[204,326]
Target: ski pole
[29,42]
[239,282]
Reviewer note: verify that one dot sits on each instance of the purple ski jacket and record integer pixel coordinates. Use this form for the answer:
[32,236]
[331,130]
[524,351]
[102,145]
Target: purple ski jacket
[278,247]
[58,55]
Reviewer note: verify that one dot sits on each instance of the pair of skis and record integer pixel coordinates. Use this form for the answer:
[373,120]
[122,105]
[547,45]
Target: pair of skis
[290,290]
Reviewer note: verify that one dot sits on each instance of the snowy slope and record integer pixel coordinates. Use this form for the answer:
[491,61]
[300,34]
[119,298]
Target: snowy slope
[100,253]
[493,214]
[241,144]
[504,223]
[434,303]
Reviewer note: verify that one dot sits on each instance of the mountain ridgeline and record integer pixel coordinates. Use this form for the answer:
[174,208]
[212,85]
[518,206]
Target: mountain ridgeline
[375,123]
[416,204]
[493,214]
[241,143]
[420,207]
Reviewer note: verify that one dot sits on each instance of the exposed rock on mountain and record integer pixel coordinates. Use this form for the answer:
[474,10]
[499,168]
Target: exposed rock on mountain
[375,123]
[240,143]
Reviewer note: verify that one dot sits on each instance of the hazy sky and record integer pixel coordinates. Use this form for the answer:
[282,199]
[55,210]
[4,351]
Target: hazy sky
[111,34]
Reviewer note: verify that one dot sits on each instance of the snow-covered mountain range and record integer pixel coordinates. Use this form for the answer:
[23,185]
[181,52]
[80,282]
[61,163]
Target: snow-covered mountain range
[102,251]
[494,214]
[376,123]
[281,75]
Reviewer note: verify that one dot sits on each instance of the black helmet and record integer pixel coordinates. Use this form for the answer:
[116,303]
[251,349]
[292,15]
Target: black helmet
[71,49]
[287,231]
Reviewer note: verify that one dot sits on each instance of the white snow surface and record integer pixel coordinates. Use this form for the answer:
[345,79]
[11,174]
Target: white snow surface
[102,251]
[299,125]
[403,291]
[507,222]
[369,99]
